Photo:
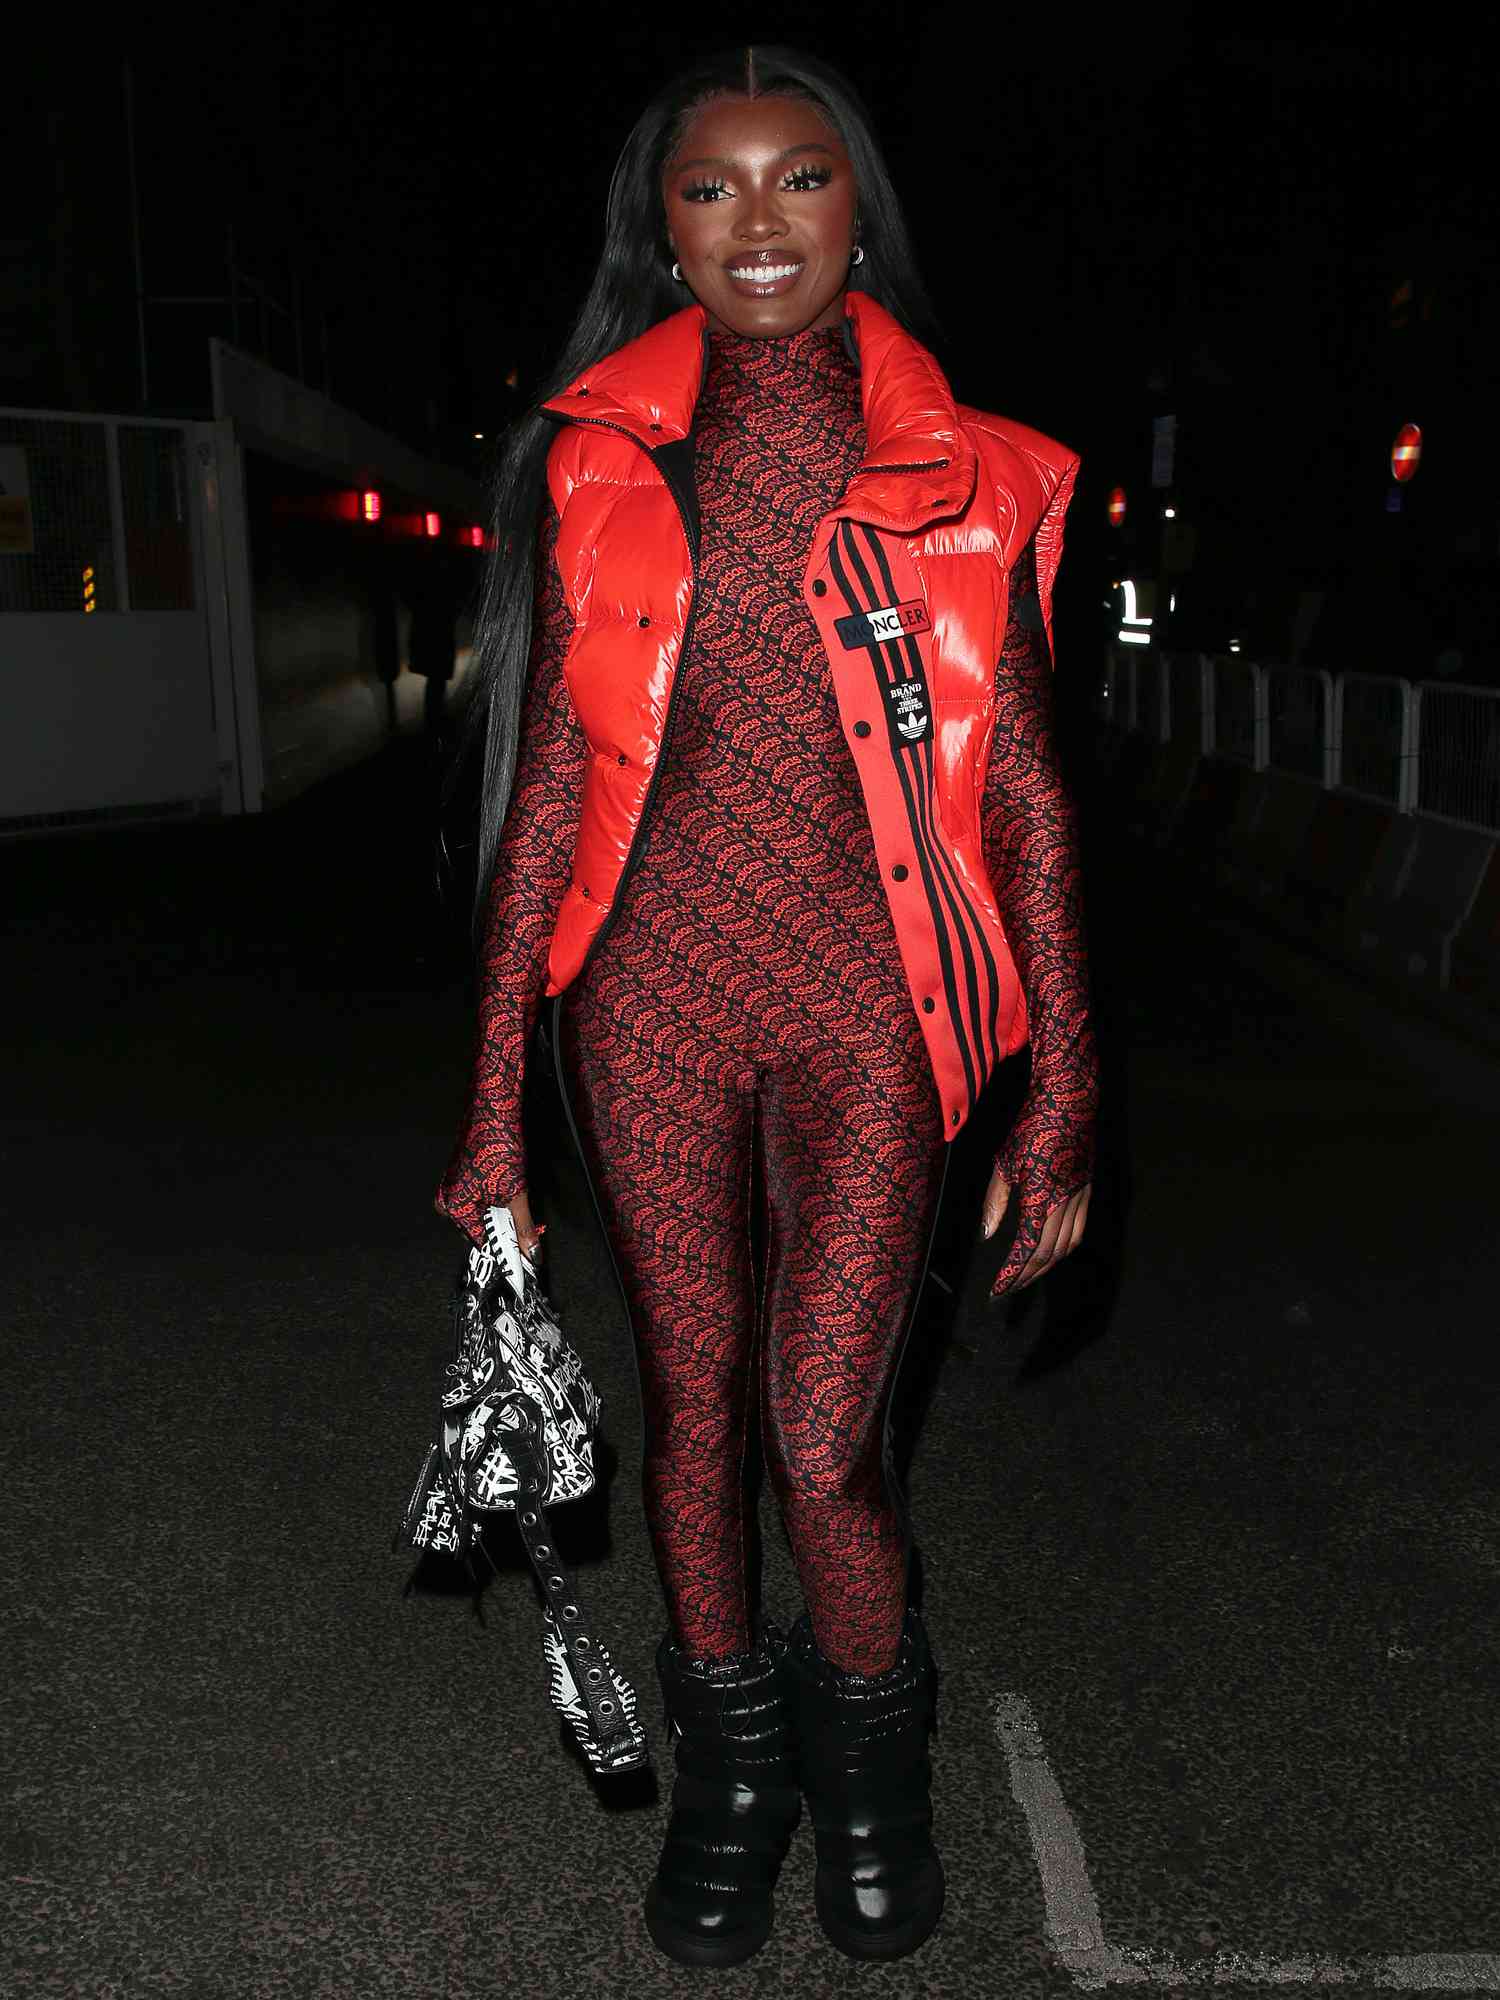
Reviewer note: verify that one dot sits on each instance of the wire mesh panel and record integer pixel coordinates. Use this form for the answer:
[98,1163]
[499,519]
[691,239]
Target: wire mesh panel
[1458,756]
[1373,733]
[1234,709]
[72,563]
[1298,720]
[158,531]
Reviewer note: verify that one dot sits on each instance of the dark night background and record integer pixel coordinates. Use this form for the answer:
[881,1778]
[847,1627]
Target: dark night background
[1217,1499]
[1277,228]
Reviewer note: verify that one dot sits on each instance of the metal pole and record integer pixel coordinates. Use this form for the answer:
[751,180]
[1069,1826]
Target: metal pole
[135,239]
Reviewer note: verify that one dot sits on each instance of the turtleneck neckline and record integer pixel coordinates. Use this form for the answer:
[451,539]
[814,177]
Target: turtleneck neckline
[745,345]
[769,381]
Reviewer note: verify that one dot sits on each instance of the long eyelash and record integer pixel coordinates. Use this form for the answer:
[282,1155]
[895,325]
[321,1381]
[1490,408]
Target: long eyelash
[818,175]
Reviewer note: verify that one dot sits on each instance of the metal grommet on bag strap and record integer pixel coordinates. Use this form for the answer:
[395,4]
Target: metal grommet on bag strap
[618,1742]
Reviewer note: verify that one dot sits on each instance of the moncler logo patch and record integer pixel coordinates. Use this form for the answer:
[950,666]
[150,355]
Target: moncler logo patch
[889,621]
[908,711]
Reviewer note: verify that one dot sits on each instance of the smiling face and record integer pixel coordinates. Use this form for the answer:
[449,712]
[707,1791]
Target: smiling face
[760,203]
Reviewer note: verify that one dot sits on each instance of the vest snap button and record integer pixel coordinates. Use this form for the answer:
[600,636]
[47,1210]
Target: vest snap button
[622,758]
[820,588]
[861,728]
[656,427]
[583,392]
[954,1119]
[899,872]
[928,1004]
[643,623]
[584,891]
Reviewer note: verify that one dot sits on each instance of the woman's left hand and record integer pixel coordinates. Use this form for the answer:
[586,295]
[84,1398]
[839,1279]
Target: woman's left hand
[1047,1163]
[1043,1238]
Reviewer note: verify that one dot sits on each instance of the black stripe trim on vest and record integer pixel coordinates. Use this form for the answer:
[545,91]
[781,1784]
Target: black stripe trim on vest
[916,665]
[879,661]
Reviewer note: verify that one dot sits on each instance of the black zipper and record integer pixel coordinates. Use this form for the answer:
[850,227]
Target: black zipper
[920,465]
[603,424]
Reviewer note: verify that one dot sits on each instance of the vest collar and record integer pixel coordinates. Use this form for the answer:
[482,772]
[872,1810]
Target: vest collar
[919,465]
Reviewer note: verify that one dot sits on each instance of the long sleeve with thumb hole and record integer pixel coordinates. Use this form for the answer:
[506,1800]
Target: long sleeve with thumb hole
[1030,839]
[532,865]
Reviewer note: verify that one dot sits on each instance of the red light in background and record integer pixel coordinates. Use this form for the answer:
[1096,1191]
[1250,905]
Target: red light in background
[1406,453]
[474,537]
[1115,507]
[432,525]
[369,506]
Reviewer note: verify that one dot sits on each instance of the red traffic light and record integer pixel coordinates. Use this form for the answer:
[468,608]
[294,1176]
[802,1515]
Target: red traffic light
[1115,507]
[369,506]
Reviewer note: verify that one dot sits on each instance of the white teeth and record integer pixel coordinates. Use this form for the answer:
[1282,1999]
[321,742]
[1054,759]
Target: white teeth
[763,274]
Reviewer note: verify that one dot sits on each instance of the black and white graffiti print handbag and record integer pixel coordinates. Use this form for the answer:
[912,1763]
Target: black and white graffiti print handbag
[518,1420]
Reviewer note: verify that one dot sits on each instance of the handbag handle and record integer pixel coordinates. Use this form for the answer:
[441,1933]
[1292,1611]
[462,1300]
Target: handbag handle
[615,1741]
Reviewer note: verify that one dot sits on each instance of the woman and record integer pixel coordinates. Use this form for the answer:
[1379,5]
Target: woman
[786,846]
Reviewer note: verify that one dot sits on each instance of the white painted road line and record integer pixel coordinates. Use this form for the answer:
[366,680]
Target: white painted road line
[1075,1928]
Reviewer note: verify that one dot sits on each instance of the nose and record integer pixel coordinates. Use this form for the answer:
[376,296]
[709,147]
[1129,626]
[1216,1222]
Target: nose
[760,217]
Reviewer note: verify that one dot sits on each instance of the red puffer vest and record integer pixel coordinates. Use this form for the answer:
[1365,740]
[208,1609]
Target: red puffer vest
[907,581]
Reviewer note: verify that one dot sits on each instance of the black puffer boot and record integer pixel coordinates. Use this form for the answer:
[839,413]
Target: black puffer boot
[867,1779]
[735,1803]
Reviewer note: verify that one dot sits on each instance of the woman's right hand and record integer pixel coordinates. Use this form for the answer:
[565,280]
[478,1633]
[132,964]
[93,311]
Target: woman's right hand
[528,1233]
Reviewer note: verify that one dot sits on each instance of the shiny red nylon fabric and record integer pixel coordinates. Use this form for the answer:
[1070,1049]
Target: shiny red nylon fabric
[947,498]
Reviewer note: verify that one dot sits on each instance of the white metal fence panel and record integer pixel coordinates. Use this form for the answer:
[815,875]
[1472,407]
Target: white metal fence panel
[1299,721]
[1425,747]
[1458,754]
[1238,710]
[1375,744]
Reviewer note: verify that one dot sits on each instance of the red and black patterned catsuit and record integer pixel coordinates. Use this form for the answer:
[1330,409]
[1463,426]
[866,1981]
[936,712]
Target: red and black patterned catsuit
[751,972]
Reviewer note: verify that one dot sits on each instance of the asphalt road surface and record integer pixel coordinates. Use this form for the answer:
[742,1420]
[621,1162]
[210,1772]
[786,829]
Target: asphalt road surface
[1210,1520]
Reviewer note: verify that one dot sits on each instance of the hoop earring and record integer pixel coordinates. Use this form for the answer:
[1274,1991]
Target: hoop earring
[859,254]
[677,272]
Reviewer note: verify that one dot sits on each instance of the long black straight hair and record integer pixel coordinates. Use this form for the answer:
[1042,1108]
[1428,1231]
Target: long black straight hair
[632,289]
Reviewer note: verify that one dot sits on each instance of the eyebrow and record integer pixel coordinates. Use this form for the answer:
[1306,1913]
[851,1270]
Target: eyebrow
[719,161]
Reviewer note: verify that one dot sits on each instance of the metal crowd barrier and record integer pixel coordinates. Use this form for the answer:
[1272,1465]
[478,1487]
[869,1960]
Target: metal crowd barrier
[1422,747]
